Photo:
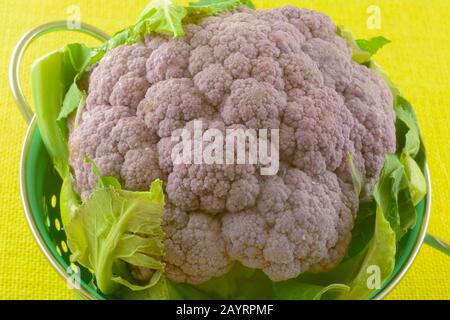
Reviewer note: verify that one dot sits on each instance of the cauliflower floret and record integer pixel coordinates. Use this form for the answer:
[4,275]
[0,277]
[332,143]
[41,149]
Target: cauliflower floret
[300,72]
[268,70]
[285,236]
[335,66]
[168,61]
[257,105]
[319,126]
[93,139]
[195,246]
[170,104]
[211,188]
[311,24]
[120,77]
[283,69]
[141,168]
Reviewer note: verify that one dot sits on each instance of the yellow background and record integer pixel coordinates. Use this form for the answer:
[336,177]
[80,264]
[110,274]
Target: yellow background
[417,60]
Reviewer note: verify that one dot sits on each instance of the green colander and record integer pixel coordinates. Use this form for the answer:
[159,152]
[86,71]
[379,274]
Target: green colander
[40,186]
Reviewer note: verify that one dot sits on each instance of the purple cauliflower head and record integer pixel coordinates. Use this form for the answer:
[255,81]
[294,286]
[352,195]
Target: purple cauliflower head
[283,69]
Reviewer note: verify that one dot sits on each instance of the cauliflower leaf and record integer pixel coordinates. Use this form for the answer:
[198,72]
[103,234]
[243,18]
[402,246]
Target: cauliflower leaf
[294,290]
[391,198]
[407,131]
[417,183]
[103,182]
[363,50]
[212,7]
[372,45]
[48,94]
[162,16]
[380,255]
[413,150]
[69,201]
[115,226]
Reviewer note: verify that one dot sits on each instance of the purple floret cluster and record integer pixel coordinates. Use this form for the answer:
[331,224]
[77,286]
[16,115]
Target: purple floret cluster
[283,69]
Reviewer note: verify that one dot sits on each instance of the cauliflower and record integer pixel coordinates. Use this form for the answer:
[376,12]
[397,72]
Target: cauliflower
[285,69]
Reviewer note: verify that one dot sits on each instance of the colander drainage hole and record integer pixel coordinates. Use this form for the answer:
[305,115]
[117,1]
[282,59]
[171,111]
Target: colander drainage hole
[54,201]
[57,224]
[64,246]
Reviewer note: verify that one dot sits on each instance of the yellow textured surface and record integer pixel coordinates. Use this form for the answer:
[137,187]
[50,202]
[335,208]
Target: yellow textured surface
[418,61]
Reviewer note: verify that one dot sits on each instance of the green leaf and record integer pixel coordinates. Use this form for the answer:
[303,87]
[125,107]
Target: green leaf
[359,56]
[391,194]
[160,291]
[416,180]
[296,290]
[240,283]
[408,133]
[162,16]
[249,4]
[212,7]
[182,291]
[116,226]
[72,101]
[372,46]
[103,182]
[69,201]
[76,59]
[380,254]
[363,230]
[363,50]
[409,143]
[48,94]
[77,56]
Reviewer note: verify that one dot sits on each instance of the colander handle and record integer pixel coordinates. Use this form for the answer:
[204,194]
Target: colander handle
[438,244]
[22,45]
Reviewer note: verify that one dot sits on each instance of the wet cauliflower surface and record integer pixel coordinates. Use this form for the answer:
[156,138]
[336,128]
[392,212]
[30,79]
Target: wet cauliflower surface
[281,69]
